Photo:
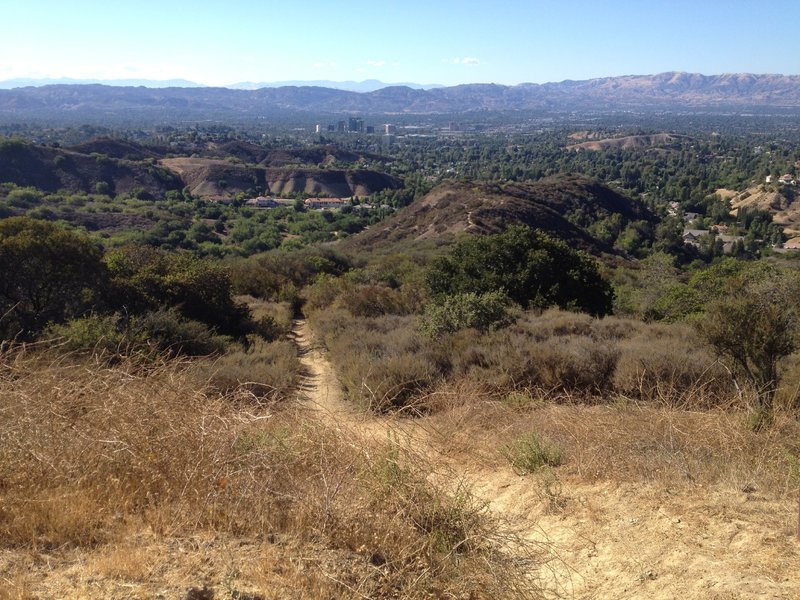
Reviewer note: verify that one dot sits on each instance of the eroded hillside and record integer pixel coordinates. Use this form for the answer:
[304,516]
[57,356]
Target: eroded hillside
[120,167]
[567,206]
[213,178]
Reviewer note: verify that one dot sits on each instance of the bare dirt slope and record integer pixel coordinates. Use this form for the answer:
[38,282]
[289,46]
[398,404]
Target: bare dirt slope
[452,208]
[216,178]
[605,539]
[784,212]
[628,142]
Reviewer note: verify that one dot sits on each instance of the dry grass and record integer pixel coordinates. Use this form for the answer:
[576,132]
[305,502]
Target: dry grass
[278,314]
[625,442]
[109,470]
[266,371]
[385,364]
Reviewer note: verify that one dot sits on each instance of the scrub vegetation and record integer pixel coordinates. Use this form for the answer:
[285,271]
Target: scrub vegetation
[402,396]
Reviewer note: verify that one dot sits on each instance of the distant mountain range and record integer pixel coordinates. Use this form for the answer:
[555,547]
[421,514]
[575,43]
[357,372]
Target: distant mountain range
[10,84]
[666,91]
[368,85]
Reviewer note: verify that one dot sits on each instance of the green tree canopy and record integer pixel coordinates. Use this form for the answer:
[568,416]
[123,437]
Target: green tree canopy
[532,268]
[147,279]
[754,325]
[47,273]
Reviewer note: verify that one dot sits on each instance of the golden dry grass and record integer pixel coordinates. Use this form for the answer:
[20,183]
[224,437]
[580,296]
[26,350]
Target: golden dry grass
[135,479]
[127,480]
[624,440]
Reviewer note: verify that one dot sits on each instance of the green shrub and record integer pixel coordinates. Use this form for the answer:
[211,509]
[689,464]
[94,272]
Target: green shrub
[529,452]
[47,274]
[164,330]
[268,328]
[172,333]
[485,311]
[323,292]
[24,197]
[264,276]
[108,334]
[145,279]
[534,269]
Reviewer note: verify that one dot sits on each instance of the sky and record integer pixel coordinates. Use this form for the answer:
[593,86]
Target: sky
[444,42]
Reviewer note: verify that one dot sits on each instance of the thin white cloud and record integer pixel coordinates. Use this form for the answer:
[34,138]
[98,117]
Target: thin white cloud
[470,61]
[324,65]
[376,63]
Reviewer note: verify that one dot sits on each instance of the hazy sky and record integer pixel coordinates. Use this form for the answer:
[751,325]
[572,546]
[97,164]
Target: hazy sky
[422,41]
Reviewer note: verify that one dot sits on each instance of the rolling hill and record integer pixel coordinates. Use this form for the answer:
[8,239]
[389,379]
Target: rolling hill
[55,169]
[214,178]
[564,205]
[785,211]
[123,167]
[629,142]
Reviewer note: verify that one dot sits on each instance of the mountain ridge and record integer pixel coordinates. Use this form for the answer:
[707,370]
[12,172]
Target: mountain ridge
[670,91]
[366,85]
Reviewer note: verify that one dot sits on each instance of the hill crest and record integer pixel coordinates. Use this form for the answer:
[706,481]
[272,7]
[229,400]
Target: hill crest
[565,206]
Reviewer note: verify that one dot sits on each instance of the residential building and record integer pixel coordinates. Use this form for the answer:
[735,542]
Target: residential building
[328,203]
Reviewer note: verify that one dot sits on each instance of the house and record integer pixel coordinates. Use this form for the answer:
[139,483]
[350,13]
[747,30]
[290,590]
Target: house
[768,179]
[329,203]
[786,180]
[262,202]
[729,242]
[691,236]
[691,216]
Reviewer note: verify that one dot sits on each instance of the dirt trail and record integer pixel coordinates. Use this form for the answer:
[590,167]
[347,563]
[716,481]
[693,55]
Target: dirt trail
[606,539]
[319,387]
[321,392]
